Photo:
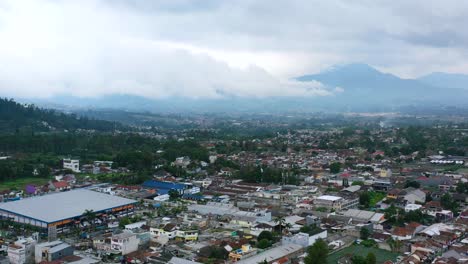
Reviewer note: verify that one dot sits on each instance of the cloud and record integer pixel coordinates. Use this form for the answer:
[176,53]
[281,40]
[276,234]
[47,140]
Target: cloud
[218,48]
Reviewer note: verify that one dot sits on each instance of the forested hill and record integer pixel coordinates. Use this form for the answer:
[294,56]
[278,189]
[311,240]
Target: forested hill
[16,117]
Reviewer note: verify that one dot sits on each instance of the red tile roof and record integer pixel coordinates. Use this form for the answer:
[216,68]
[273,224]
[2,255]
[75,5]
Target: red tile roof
[61,184]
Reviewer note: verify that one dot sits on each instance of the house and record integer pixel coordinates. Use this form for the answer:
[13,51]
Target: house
[187,235]
[363,216]
[412,207]
[71,164]
[393,193]
[303,239]
[168,230]
[52,251]
[182,161]
[102,243]
[102,166]
[244,252]
[21,251]
[384,173]
[382,185]
[434,208]
[60,186]
[407,196]
[407,232]
[411,195]
[125,243]
[226,172]
[460,197]
[272,255]
[336,203]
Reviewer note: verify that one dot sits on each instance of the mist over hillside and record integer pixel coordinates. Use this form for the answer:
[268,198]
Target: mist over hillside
[355,87]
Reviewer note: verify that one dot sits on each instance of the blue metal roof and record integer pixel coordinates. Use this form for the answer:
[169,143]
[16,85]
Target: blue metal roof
[164,185]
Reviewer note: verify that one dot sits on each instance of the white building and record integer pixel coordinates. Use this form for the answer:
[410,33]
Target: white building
[212,158]
[22,251]
[71,164]
[303,239]
[412,207]
[125,243]
[335,202]
[182,161]
[162,198]
[135,225]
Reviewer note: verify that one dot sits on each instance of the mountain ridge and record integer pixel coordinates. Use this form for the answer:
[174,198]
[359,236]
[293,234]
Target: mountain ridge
[363,88]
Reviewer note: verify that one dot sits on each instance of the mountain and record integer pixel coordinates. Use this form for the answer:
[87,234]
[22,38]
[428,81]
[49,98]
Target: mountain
[362,88]
[364,85]
[16,117]
[448,80]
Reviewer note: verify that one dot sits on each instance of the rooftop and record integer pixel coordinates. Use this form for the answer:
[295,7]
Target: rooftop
[59,206]
[329,197]
[272,254]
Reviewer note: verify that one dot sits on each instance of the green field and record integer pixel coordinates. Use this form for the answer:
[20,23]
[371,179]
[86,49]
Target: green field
[382,255]
[20,183]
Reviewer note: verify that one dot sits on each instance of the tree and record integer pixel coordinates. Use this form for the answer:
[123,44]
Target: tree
[90,216]
[265,235]
[413,184]
[395,245]
[264,243]
[371,258]
[124,221]
[365,199]
[365,233]
[173,194]
[360,183]
[448,203]
[358,260]
[280,220]
[317,253]
[335,167]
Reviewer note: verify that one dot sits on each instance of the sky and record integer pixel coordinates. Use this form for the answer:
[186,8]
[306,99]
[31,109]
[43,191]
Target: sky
[210,49]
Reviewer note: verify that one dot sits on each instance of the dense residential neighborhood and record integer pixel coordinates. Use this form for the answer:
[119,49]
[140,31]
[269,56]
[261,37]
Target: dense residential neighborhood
[359,195]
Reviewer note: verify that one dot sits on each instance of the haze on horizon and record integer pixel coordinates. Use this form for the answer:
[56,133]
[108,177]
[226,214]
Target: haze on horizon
[207,49]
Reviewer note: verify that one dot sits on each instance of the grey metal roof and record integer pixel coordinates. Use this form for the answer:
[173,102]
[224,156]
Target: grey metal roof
[272,254]
[176,260]
[63,205]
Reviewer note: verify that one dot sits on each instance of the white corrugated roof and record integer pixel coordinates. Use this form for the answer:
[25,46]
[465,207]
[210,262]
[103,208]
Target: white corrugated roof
[329,197]
[272,254]
[63,205]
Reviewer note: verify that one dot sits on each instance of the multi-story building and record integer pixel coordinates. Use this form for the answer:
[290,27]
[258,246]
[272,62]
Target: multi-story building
[71,164]
[172,232]
[22,251]
[187,235]
[303,239]
[335,203]
[125,243]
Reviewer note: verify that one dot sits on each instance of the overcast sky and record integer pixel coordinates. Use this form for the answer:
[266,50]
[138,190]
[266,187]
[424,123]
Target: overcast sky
[213,48]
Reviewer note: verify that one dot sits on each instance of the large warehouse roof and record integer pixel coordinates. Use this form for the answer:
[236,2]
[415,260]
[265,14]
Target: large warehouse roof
[59,206]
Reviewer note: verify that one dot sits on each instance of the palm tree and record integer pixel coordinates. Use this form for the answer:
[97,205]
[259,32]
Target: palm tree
[287,226]
[395,245]
[90,216]
[281,221]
